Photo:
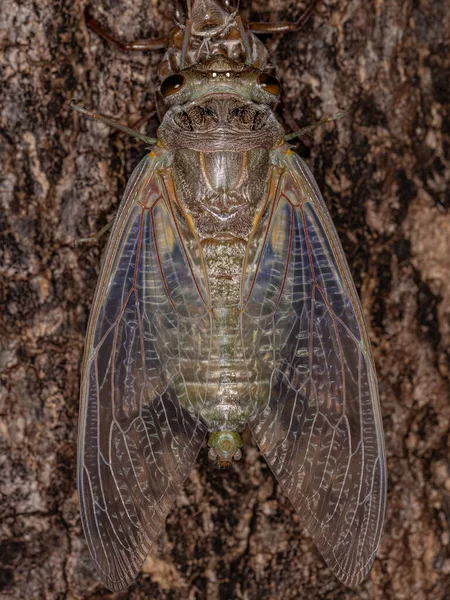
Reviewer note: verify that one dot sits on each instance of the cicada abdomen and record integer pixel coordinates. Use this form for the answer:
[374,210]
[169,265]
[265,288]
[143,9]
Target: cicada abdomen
[225,302]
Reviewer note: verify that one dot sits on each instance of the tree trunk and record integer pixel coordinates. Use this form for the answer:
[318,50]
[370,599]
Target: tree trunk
[384,172]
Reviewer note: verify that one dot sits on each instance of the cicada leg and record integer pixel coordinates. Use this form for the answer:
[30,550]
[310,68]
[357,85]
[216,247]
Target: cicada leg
[135,45]
[113,123]
[244,37]
[308,128]
[283,27]
[95,237]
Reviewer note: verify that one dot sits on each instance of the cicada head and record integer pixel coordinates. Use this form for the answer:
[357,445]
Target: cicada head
[219,105]
[224,447]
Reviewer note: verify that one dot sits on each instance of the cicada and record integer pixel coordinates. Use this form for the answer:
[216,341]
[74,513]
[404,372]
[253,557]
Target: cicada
[225,302]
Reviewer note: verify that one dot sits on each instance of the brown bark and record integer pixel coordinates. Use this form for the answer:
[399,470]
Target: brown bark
[384,173]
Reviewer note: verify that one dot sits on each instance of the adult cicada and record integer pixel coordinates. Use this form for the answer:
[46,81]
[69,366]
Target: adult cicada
[225,302]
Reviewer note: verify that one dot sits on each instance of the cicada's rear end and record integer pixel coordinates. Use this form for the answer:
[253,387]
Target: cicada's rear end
[225,302]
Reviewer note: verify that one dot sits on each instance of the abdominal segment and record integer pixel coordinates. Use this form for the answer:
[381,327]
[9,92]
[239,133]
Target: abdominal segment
[223,375]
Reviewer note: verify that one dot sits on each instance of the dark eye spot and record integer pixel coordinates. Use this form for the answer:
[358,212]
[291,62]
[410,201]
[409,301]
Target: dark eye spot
[269,83]
[172,84]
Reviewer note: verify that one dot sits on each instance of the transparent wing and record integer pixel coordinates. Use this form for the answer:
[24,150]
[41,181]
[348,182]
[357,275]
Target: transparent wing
[137,437]
[321,430]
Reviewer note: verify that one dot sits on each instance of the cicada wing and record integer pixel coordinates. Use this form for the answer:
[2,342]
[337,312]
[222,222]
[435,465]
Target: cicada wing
[137,436]
[321,429]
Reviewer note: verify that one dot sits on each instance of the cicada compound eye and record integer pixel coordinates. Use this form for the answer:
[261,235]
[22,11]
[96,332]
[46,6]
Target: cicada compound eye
[269,83]
[172,84]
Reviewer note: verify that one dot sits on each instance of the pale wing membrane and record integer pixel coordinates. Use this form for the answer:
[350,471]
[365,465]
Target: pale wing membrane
[321,430]
[138,439]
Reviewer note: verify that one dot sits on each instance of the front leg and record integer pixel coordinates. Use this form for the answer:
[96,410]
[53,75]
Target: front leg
[135,45]
[282,27]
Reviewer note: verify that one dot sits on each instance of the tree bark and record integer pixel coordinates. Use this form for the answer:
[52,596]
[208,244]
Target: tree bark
[384,172]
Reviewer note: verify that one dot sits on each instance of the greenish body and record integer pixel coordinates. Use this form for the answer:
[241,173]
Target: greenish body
[224,200]
[221,129]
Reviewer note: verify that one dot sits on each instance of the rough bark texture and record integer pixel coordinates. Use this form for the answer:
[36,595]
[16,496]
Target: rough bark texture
[384,172]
